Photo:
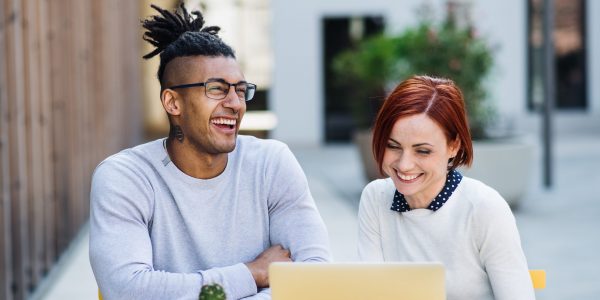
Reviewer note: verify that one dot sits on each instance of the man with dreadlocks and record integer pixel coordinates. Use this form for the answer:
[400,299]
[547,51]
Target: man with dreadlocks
[203,205]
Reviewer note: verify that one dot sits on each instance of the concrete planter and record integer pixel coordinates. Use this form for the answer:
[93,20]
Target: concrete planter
[504,164]
[362,139]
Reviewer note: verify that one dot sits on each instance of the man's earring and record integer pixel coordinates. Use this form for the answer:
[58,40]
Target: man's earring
[177,133]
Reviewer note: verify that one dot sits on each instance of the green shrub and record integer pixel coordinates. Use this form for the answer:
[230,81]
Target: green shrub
[444,50]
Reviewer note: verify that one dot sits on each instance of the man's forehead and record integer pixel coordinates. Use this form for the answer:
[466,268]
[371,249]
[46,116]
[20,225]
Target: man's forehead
[211,66]
[186,69]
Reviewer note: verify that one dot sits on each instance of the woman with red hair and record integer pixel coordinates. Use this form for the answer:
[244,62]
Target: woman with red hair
[426,210]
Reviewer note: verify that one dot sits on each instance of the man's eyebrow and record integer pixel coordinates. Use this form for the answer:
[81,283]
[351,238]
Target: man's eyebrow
[224,81]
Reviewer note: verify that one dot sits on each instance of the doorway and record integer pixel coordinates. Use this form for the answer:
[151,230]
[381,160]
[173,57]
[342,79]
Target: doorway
[339,34]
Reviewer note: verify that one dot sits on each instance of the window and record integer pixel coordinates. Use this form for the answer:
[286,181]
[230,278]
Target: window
[339,34]
[570,54]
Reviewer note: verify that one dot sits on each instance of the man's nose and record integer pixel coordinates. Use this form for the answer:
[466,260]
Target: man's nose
[232,100]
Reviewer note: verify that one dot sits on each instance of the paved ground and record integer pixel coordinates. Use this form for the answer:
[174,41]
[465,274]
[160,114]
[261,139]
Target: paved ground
[557,226]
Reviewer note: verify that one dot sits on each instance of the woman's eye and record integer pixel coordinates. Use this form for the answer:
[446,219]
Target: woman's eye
[425,152]
[392,146]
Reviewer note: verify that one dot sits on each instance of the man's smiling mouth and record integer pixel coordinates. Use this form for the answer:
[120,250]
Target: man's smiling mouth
[224,122]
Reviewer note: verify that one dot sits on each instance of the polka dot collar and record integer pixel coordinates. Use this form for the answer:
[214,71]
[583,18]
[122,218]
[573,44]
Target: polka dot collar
[453,178]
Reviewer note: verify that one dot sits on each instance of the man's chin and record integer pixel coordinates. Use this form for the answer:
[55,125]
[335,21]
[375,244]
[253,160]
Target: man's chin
[226,147]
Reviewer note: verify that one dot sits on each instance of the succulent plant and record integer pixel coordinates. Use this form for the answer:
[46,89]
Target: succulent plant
[212,292]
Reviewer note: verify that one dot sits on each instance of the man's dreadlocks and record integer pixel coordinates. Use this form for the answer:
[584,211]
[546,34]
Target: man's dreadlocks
[179,33]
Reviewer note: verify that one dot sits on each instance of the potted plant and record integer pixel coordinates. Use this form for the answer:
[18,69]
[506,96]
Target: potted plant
[445,49]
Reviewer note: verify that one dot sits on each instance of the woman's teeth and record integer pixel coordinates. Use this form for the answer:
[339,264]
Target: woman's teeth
[407,177]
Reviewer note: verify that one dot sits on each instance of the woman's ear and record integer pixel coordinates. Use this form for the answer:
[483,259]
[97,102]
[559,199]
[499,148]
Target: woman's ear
[171,102]
[453,147]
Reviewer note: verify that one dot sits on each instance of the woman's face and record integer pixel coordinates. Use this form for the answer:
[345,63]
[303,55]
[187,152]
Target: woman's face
[416,157]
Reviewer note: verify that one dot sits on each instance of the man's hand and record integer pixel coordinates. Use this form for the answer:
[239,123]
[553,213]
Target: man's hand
[259,267]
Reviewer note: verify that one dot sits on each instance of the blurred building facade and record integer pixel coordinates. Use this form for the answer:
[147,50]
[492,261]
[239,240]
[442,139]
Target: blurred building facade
[298,94]
[284,47]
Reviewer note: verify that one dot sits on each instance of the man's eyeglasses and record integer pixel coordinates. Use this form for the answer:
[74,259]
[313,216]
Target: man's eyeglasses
[218,88]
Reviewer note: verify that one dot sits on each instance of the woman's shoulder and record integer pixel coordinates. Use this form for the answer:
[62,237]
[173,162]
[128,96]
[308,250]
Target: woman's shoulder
[478,187]
[482,198]
[382,184]
[378,191]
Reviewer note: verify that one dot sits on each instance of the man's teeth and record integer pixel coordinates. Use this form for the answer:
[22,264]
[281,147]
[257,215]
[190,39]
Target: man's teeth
[406,177]
[223,121]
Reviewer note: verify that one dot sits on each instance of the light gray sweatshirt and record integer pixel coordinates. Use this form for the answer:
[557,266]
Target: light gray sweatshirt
[157,233]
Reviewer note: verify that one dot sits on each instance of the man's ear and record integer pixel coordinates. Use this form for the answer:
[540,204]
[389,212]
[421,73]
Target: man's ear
[171,102]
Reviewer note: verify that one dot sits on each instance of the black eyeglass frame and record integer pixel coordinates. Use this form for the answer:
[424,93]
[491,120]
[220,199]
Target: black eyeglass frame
[250,87]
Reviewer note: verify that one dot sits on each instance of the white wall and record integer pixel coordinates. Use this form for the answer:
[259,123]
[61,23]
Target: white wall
[504,25]
[293,95]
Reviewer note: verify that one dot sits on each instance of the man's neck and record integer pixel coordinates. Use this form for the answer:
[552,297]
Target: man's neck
[194,163]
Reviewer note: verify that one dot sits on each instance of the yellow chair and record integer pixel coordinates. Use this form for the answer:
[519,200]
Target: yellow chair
[538,277]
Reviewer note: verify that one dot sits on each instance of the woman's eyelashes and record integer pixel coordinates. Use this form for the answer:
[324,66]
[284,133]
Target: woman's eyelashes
[424,151]
[393,146]
[420,151]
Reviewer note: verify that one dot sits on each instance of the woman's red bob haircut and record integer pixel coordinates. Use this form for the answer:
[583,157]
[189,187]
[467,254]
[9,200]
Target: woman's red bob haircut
[438,98]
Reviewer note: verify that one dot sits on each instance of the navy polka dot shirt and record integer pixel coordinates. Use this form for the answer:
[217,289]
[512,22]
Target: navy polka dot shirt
[399,203]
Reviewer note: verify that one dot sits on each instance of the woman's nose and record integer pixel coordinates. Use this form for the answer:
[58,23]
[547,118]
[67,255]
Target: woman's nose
[405,162]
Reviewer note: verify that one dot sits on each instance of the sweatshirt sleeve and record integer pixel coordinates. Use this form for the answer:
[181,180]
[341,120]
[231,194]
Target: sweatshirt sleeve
[500,250]
[264,294]
[294,221]
[369,235]
[121,212]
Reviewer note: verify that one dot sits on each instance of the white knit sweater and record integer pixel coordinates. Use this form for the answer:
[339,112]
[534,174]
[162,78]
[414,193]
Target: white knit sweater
[474,235]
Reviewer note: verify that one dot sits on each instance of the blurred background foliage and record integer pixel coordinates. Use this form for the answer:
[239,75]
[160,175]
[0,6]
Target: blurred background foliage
[445,49]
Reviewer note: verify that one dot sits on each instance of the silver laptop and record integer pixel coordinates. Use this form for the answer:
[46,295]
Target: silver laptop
[359,281]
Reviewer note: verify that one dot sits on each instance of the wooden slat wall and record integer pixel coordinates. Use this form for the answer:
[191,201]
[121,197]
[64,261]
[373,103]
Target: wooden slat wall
[5,203]
[46,121]
[69,97]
